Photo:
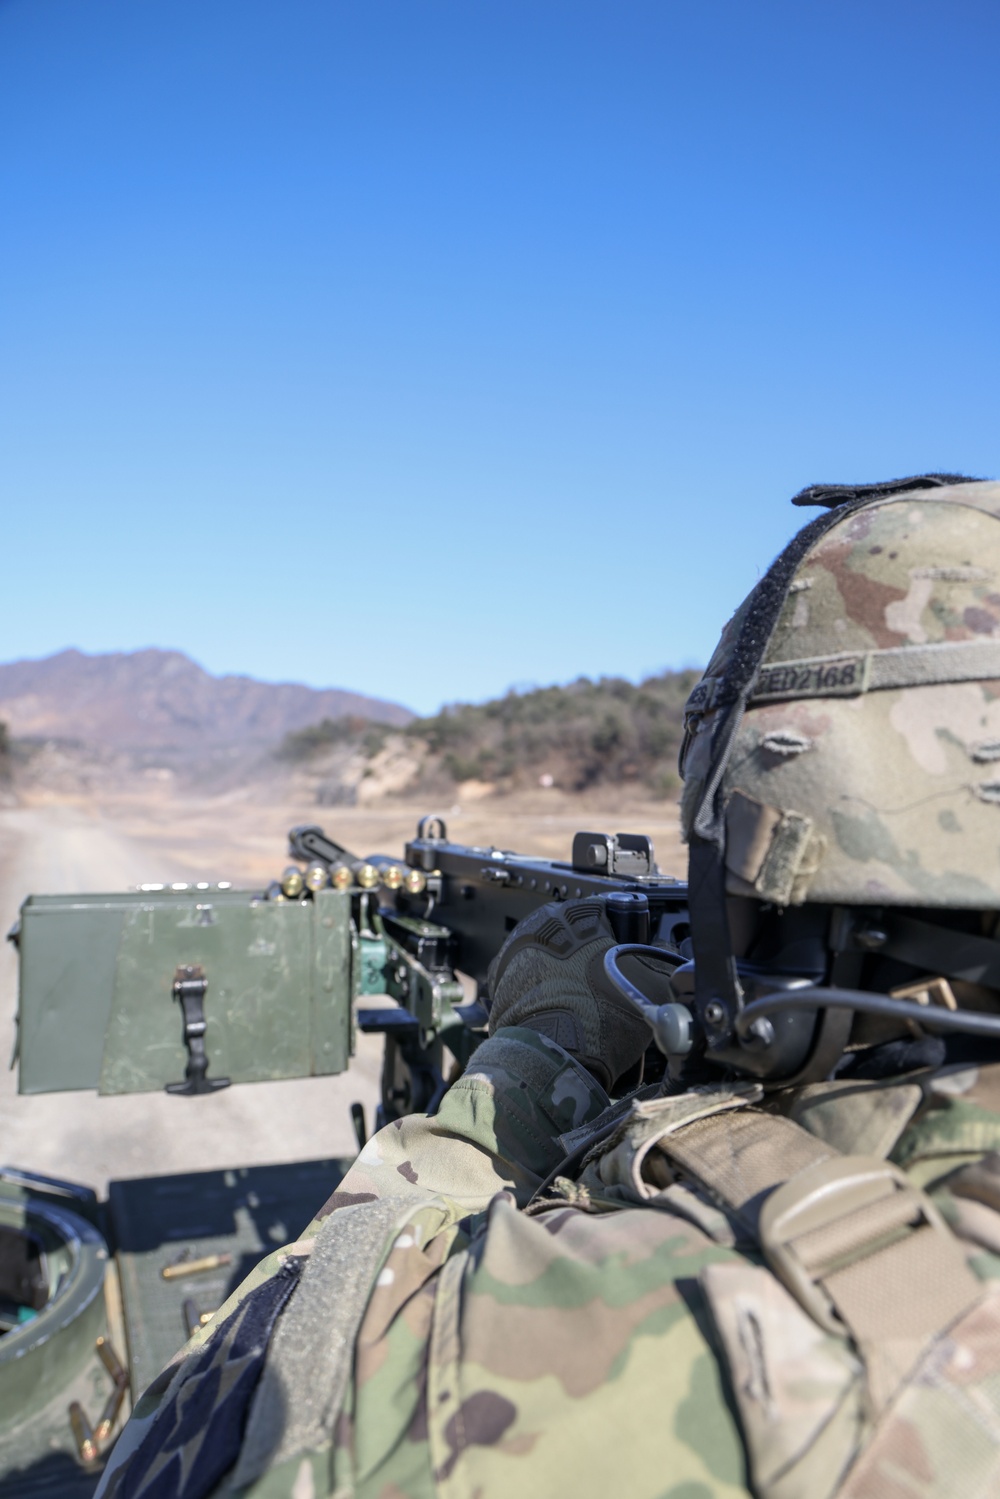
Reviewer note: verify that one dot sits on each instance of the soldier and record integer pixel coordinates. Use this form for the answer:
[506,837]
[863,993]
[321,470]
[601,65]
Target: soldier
[774,1271]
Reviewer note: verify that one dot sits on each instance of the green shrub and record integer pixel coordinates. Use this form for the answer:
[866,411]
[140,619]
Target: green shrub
[302,744]
[584,734]
[588,733]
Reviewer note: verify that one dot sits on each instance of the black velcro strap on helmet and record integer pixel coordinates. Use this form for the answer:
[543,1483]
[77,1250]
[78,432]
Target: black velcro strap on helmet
[732,691]
[831,495]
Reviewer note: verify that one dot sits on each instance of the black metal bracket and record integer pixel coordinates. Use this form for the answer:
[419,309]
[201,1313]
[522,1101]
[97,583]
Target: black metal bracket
[390,1021]
[190,984]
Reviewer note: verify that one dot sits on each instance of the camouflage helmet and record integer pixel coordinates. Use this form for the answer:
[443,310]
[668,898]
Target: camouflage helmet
[843,750]
[845,740]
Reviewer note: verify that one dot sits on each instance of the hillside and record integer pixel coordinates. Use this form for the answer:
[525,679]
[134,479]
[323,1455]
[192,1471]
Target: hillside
[162,700]
[154,721]
[587,735]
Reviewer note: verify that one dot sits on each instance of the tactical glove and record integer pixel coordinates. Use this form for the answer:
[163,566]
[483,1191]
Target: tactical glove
[549,975]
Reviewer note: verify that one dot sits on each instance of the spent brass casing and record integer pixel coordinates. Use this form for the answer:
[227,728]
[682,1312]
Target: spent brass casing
[195,1267]
[119,1376]
[109,1414]
[111,1361]
[83,1435]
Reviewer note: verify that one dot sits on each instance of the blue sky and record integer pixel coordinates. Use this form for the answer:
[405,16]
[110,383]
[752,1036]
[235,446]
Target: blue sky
[427,347]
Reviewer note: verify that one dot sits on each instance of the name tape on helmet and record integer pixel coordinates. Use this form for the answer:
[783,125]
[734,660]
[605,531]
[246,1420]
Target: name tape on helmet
[849,674]
[823,676]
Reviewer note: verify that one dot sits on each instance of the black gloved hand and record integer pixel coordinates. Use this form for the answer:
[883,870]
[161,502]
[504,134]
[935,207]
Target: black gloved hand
[549,975]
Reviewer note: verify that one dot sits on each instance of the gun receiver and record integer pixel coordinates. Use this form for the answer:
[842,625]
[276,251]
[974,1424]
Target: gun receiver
[453,919]
[480,894]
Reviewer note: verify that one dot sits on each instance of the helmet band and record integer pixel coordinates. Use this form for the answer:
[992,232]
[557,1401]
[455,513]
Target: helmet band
[851,673]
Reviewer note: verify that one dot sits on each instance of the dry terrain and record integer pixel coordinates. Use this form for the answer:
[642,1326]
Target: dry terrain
[64,843]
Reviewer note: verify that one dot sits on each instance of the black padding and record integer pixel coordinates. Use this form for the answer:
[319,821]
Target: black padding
[930,947]
[892,1058]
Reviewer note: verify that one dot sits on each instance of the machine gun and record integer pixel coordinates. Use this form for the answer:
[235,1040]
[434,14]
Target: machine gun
[273,983]
[190,987]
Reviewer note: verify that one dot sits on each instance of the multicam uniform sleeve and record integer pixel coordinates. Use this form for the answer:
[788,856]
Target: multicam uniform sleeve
[497,1131]
[497,1128]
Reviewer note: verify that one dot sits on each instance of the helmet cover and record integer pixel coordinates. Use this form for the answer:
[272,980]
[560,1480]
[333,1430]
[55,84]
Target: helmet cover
[844,744]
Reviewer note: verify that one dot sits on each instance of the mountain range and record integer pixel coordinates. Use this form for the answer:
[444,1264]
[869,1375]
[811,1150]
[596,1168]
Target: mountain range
[162,700]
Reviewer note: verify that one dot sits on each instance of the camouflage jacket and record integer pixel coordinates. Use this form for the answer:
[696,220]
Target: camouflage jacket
[436,1332]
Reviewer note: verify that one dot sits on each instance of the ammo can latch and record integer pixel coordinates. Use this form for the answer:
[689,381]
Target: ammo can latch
[189,989]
